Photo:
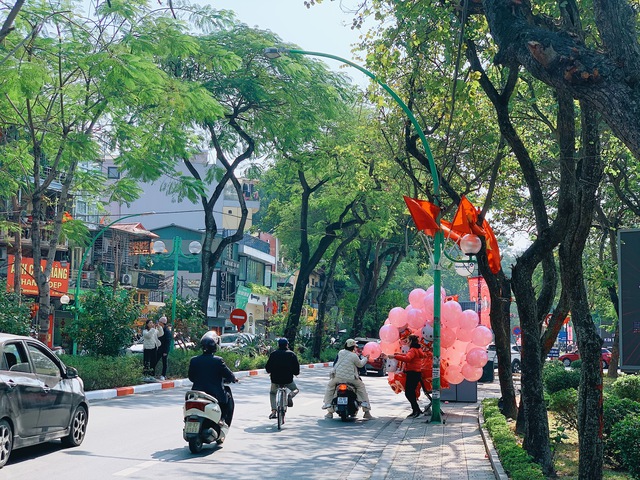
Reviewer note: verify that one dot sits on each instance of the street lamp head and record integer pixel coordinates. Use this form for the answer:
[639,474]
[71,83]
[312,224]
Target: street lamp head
[158,246]
[470,244]
[274,52]
[195,247]
[64,299]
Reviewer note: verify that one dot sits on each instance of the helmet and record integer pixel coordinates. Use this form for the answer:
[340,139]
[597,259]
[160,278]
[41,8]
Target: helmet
[283,343]
[209,342]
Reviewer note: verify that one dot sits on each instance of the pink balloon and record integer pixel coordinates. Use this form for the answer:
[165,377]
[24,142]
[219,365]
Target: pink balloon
[481,336]
[470,373]
[443,292]
[415,318]
[477,357]
[389,334]
[416,297]
[390,347]
[463,335]
[486,321]
[372,349]
[427,304]
[447,337]
[387,322]
[460,346]
[453,356]
[398,317]
[469,320]
[450,314]
[454,375]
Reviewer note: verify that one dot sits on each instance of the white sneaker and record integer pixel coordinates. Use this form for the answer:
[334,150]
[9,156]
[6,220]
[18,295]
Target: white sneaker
[329,415]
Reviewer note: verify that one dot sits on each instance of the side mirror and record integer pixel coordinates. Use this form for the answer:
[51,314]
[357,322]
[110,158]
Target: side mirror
[72,372]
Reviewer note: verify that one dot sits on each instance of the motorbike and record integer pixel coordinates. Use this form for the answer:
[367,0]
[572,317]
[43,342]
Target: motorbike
[203,420]
[344,401]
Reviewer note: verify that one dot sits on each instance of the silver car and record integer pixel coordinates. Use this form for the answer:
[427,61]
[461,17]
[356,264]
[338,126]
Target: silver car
[41,399]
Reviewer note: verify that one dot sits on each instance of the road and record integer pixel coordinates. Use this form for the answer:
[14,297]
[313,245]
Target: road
[140,437]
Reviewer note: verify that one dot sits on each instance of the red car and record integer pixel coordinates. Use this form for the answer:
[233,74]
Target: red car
[567,358]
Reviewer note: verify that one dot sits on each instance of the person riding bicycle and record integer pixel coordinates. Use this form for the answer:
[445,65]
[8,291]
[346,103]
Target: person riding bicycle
[345,370]
[209,372]
[282,365]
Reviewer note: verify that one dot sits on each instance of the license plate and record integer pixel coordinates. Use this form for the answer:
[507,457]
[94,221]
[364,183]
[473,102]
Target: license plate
[191,427]
[343,400]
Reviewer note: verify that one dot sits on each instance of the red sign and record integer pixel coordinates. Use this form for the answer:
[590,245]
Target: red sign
[58,282]
[238,317]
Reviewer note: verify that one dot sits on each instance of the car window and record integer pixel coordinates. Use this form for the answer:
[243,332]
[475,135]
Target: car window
[14,358]
[44,365]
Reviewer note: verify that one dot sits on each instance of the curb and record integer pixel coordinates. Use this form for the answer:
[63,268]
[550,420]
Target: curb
[498,470]
[165,384]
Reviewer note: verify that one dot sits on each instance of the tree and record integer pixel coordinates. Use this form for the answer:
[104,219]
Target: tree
[74,86]
[15,315]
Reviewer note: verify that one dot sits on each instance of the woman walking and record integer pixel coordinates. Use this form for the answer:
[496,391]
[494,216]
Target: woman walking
[413,369]
[150,344]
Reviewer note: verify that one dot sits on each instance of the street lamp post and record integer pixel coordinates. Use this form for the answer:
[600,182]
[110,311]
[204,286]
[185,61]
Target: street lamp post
[438,243]
[76,295]
[195,248]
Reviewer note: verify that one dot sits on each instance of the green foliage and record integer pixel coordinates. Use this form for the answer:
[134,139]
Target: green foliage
[627,386]
[100,372]
[614,411]
[190,322]
[555,377]
[105,322]
[14,312]
[626,435]
[328,355]
[517,463]
[564,404]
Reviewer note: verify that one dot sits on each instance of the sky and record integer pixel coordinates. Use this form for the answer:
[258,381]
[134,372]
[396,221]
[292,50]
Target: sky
[324,28]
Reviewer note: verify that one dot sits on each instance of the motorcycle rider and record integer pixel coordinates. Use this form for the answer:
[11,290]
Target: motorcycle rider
[345,370]
[282,366]
[208,373]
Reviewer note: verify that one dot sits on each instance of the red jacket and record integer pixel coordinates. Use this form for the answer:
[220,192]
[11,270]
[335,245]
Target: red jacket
[412,359]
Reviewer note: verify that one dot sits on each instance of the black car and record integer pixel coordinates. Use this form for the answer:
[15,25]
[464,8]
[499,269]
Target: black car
[41,399]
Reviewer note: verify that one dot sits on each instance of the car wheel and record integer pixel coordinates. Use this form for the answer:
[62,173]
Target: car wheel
[383,371]
[6,442]
[515,366]
[77,429]
[566,362]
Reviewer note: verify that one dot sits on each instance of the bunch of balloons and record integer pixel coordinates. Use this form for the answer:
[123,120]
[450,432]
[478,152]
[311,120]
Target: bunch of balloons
[463,340]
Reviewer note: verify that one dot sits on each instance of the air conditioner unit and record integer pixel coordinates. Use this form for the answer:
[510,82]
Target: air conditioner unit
[125,279]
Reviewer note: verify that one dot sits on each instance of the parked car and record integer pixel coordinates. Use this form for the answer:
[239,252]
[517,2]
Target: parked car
[568,358]
[516,361]
[229,341]
[379,365]
[41,399]
[138,347]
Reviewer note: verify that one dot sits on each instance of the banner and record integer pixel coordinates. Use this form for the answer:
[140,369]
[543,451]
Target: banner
[483,305]
[58,282]
[242,297]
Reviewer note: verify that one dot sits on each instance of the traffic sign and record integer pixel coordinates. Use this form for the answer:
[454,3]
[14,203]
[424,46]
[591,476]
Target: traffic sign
[516,330]
[238,317]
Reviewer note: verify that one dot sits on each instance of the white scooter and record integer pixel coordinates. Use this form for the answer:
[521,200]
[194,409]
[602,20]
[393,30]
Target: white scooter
[203,422]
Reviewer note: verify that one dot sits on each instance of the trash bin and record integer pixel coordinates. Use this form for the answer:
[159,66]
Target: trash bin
[487,373]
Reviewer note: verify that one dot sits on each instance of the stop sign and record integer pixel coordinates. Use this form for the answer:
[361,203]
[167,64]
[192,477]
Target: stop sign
[238,317]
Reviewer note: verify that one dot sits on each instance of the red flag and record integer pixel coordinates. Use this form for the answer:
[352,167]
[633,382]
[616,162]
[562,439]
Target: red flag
[493,250]
[466,218]
[422,213]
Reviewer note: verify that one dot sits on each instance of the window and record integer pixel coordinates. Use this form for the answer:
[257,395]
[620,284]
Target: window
[44,365]
[14,355]
[113,173]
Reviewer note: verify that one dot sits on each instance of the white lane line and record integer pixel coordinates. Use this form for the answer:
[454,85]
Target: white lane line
[141,466]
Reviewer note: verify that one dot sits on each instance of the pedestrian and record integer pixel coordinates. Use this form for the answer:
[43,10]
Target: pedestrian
[165,344]
[345,370]
[413,360]
[282,365]
[150,343]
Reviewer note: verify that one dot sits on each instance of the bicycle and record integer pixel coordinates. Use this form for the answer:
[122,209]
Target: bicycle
[281,404]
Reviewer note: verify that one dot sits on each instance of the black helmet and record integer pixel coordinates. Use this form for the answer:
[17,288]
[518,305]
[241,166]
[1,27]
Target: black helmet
[209,342]
[283,343]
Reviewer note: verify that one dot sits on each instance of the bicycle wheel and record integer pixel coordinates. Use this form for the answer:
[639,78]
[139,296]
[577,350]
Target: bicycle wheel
[280,407]
[280,417]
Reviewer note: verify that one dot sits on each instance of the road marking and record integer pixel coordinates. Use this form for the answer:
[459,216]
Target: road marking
[141,466]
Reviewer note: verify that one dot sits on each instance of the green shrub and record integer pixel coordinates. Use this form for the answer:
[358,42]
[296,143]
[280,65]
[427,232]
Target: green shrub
[626,435]
[518,464]
[565,405]
[106,372]
[555,377]
[328,355]
[614,411]
[627,386]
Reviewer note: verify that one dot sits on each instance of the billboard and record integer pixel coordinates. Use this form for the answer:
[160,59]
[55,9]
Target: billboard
[58,282]
[629,299]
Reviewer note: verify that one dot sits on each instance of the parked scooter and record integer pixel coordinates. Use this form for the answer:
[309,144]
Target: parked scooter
[203,421]
[344,401]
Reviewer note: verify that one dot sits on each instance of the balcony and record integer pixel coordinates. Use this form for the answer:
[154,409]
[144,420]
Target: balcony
[46,234]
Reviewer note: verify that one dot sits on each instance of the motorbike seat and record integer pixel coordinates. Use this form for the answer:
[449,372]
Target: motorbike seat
[192,395]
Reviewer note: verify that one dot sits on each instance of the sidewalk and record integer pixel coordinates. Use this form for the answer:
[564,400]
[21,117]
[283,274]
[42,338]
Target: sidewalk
[405,449]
